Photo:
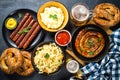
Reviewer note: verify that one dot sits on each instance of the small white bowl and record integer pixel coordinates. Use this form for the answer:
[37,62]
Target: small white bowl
[63,37]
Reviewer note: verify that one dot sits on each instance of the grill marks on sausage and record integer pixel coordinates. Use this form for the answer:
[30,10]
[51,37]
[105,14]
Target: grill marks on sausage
[19,25]
[27,35]
[25,39]
[33,35]
[22,35]
[25,25]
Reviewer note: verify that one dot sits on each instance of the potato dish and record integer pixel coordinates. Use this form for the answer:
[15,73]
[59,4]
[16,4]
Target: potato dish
[48,58]
[52,17]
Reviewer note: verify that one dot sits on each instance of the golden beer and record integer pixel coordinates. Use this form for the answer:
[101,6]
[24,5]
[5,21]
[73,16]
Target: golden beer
[79,14]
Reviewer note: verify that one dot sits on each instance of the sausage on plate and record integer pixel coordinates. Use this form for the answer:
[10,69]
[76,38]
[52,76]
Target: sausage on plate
[19,25]
[28,35]
[25,25]
[22,35]
[33,35]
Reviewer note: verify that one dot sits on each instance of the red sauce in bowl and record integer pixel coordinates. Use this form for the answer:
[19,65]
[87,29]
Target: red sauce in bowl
[63,38]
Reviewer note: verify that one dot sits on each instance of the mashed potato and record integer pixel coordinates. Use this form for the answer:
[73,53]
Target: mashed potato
[48,58]
[52,17]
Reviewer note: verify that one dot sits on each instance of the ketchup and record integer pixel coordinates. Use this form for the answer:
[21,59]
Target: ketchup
[63,38]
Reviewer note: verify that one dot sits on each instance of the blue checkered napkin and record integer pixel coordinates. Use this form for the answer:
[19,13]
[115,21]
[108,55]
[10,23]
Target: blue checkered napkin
[109,67]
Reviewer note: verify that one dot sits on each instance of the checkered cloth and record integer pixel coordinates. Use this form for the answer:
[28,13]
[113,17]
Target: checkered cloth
[109,67]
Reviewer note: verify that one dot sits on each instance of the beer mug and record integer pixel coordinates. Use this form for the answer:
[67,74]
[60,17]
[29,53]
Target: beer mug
[80,14]
[72,66]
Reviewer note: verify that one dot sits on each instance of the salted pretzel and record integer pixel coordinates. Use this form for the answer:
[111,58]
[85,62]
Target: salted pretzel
[11,59]
[106,15]
[26,68]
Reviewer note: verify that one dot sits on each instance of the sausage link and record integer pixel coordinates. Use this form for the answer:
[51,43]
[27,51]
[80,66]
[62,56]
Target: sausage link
[22,35]
[25,25]
[27,35]
[19,25]
[33,35]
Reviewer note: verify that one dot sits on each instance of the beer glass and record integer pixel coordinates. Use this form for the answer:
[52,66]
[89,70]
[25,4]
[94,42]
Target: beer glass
[80,14]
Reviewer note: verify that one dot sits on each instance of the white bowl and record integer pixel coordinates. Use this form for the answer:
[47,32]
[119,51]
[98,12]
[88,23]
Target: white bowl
[64,36]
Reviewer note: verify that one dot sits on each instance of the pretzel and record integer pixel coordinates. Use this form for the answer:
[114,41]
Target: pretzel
[26,68]
[11,59]
[106,15]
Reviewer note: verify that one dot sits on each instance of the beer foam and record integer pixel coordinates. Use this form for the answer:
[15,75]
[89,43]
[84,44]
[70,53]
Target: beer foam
[72,66]
[80,12]
[83,10]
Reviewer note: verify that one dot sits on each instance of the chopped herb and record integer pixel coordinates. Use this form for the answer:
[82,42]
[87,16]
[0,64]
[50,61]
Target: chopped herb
[58,60]
[49,67]
[42,64]
[99,39]
[80,49]
[54,17]
[20,15]
[90,42]
[47,56]
[91,52]
[52,61]
[25,30]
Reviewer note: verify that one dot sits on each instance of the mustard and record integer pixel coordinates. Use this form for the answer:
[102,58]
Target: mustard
[11,23]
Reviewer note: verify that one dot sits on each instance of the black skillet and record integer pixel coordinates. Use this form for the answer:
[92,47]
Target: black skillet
[93,28]
[33,55]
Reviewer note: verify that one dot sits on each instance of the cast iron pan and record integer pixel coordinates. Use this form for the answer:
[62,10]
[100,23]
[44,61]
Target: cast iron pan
[93,28]
[33,55]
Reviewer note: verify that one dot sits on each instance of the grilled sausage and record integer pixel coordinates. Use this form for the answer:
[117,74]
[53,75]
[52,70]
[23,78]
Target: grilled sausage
[22,35]
[25,25]
[19,25]
[33,35]
[89,43]
[77,40]
[27,35]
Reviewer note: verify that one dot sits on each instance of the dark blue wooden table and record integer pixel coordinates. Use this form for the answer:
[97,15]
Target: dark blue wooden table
[7,6]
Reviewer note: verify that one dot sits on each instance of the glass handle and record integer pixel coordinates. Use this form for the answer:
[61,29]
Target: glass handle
[91,13]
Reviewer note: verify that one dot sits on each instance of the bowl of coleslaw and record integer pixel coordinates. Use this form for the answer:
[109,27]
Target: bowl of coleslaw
[47,58]
[52,16]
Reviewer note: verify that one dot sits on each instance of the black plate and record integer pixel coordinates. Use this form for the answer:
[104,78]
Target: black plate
[6,32]
[33,55]
[91,28]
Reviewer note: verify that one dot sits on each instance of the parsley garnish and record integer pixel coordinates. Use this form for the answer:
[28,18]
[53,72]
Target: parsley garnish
[25,30]
[91,52]
[90,42]
[47,56]
[81,49]
[20,15]
[99,39]
[54,16]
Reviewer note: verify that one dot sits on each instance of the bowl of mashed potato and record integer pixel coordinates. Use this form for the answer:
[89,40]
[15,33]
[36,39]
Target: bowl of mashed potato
[52,16]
